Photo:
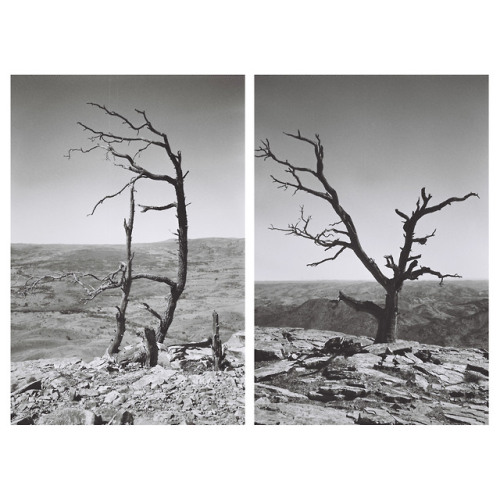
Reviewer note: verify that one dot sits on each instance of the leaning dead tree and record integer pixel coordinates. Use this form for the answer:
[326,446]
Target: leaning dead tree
[342,235]
[124,150]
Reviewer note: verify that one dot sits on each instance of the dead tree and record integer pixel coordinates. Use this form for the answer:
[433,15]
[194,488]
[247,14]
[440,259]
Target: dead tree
[342,235]
[94,285]
[125,150]
[126,282]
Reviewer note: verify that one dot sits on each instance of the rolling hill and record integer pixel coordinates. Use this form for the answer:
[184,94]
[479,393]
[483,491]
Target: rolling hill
[455,314]
[54,322]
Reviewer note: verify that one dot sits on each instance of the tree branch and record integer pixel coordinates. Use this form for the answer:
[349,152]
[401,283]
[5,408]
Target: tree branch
[109,196]
[414,275]
[363,306]
[145,208]
[154,277]
[152,311]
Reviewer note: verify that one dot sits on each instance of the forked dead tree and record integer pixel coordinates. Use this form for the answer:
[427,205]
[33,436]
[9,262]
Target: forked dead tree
[342,235]
[125,150]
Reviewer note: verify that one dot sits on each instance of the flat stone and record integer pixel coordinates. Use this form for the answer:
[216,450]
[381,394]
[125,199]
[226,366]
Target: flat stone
[299,414]
[273,369]
[331,373]
[418,380]
[478,368]
[111,396]
[460,419]
[364,360]
[394,396]
[158,375]
[375,416]
[444,374]
[32,386]
[281,391]
[412,357]
[347,391]
[68,416]
[380,375]
[316,362]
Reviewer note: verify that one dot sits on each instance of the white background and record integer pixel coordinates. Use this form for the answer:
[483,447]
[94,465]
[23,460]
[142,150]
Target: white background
[258,37]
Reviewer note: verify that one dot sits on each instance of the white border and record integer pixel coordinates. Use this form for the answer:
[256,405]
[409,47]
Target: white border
[259,37]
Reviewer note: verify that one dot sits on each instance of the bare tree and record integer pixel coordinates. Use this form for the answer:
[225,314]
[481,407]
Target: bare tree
[342,235]
[126,281]
[94,285]
[117,148]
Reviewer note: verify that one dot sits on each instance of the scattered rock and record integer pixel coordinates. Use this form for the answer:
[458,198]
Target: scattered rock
[104,393]
[404,383]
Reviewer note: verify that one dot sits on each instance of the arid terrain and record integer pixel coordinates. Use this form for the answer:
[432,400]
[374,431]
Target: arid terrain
[58,374]
[54,322]
[455,314]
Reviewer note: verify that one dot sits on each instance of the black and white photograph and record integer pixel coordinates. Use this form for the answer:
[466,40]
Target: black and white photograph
[127,250]
[371,260]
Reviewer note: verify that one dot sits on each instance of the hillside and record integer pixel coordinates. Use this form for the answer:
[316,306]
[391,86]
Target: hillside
[53,322]
[455,314]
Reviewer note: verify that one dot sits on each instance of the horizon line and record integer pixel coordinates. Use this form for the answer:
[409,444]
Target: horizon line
[133,242]
[364,280]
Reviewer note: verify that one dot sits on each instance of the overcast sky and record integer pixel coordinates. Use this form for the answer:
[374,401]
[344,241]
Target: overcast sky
[385,137]
[51,195]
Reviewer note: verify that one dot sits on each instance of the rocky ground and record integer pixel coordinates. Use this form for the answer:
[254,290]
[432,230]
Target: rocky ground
[319,377]
[182,389]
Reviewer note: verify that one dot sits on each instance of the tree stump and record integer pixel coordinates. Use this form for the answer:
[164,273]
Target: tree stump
[151,347]
[217,344]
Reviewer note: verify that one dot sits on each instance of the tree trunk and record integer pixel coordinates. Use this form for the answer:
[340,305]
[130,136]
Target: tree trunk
[151,348]
[168,317]
[120,332]
[126,279]
[182,256]
[388,322]
[217,344]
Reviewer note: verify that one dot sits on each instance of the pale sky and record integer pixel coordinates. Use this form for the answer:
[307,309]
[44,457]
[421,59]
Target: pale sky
[385,137]
[51,195]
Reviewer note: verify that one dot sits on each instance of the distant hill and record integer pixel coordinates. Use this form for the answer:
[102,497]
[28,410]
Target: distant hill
[455,314]
[54,322]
